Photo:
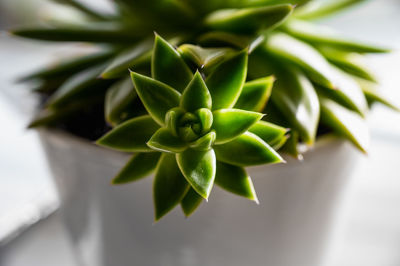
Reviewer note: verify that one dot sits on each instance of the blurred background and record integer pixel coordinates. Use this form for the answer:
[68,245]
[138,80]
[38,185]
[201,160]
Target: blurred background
[369,222]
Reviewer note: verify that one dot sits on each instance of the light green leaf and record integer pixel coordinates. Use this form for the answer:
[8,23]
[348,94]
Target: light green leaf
[168,66]
[206,119]
[295,97]
[130,136]
[255,94]
[198,167]
[373,95]
[248,20]
[245,150]
[205,142]
[235,180]
[285,47]
[164,141]
[225,83]
[345,123]
[320,35]
[191,202]
[169,187]
[231,123]
[129,58]
[157,97]
[270,133]
[118,98]
[196,95]
[139,166]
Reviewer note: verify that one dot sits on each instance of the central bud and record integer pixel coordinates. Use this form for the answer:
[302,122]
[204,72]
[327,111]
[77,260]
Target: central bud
[188,126]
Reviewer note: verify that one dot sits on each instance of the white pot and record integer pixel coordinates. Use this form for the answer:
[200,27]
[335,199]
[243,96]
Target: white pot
[113,225]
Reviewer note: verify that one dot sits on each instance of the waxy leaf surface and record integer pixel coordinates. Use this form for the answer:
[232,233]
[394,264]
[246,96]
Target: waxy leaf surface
[196,95]
[270,133]
[164,141]
[255,94]
[191,202]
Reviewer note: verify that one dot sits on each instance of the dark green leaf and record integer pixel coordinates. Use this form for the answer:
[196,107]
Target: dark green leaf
[118,99]
[164,141]
[139,166]
[196,95]
[128,59]
[130,136]
[235,180]
[191,202]
[225,83]
[248,20]
[223,39]
[168,66]
[345,123]
[291,146]
[199,168]
[270,133]
[172,119]
[247,149]
[231,123]
[157,97]
[255,94]
[169,187]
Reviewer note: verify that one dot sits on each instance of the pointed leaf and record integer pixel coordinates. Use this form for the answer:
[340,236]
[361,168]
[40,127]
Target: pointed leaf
[291,146]
[320,35]
[128,59]
[130,136]
[168,66]
[285,47]
[164,141]
[255,94]
[225,83]
[231,123]
[373,95]
[235,180]
[139,166]
[169,187]
[345,123]
[248,20]
[157,97]
[196,95]
[247,149]
[206,119]
[199,168]
[270,133]
[296,99]
[204,143]
[191,202]
[118,98]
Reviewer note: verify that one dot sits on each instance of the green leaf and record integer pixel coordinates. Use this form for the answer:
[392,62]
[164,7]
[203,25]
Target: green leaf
[198,167]
[235,180]
[348,62]
[118,98]
[77,85]
[373,95]
[255,94]
[206,119]
[129,58]
[345,123]
[204,58]
[320,35]
[231,123]
[172,119]
[191,202]
[139,166]
[225,83]
[291,146]
[296,99]
[196,95]
[130,136]
[157,97]
[84,9]
[221,38]
[168,66]
[319,9]
[205,142]
[169,187]
[285,47]
[248,20]
[164,141]
[245,150]
[270,133]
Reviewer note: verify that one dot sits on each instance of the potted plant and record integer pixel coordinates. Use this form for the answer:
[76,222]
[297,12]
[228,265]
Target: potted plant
[221,86]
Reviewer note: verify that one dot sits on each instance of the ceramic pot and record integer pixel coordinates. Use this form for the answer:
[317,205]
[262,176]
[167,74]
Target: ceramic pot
[113,225]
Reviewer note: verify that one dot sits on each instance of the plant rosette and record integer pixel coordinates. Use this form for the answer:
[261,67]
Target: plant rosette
[195,133]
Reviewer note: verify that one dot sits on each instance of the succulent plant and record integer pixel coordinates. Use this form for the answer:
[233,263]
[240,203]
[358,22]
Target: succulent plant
[210,83]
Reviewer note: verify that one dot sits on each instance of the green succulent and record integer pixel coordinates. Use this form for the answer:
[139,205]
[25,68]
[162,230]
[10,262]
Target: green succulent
[212,76]
[198,128]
